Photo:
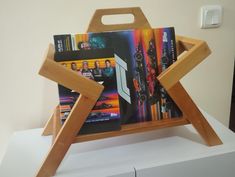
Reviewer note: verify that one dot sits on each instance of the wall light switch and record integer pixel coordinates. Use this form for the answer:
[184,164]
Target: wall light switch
[211,16]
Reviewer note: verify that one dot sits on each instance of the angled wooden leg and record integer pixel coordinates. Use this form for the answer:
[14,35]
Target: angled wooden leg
[49,125]
[66,136]
[197,51]
[193,114]
[89,93]
[56,123]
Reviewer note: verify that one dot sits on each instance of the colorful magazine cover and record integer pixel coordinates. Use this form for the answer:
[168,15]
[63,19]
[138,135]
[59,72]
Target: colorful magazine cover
[166,55]
[98,65]
[131,80]
[140,56]
[150,63]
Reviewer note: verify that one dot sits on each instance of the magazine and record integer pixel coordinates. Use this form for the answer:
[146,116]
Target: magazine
[140,56]
[98,65]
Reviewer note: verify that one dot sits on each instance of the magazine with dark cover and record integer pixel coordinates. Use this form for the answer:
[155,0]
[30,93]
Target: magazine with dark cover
[166,55]
[98,65]
[63,43]
[140,56]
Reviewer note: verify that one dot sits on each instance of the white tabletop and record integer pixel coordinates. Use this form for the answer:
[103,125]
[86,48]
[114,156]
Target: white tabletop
[119,156]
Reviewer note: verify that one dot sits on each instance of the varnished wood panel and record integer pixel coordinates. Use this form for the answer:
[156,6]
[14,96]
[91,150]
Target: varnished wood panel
[196,118]
[134,128]
[56,123]
[96,24]
[66,136]
[67,77]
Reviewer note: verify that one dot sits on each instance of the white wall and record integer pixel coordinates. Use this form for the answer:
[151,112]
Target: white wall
[27,26]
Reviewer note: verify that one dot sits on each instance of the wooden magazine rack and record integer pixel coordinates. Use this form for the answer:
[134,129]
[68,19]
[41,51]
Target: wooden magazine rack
[194,50]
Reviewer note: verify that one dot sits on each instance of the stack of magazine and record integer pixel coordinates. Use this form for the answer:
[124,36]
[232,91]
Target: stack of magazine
[126,63]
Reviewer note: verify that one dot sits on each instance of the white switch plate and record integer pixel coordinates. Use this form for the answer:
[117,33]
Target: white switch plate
[211,16]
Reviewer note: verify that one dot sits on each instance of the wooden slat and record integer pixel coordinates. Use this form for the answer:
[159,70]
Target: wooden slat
[66,136]
[134,128]
[186,63]
[179,48]
[140,20]
[187,42]
[49,126]
[56,123]
[186,104]
[60,74]
[184,44]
